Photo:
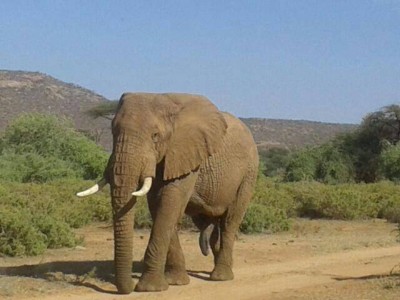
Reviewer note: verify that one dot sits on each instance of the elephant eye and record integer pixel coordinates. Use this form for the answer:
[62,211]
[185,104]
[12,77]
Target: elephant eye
[155,137]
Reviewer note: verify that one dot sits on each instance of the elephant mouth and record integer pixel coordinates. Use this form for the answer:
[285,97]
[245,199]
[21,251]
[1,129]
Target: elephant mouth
[102,182]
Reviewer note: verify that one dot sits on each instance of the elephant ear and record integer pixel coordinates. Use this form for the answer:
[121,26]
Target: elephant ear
[199,128]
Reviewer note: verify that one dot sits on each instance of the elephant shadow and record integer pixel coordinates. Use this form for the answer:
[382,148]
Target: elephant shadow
[73,272]
[77,272]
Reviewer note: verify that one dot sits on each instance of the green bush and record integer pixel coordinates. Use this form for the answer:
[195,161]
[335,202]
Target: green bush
[345,204]
[34,217]
[345,201]
[31,167]
[57,234]
[260,218]
[17,235]
[40,148]
[326,163]
[272,194]
[340,201]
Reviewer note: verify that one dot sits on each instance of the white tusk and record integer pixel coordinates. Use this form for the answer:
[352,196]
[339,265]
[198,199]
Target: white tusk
[145,188]
[94,189]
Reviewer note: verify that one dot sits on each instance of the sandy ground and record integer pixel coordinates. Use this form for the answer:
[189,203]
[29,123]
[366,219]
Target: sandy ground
[315,260]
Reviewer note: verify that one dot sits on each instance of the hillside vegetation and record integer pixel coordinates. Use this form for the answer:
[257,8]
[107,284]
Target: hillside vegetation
[291,134]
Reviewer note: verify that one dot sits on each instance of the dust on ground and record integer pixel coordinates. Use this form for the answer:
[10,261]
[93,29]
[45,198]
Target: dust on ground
[316,259]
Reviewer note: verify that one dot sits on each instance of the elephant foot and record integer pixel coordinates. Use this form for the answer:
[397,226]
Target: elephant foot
[125,287]
[175,277]
[221,273]
[151,283]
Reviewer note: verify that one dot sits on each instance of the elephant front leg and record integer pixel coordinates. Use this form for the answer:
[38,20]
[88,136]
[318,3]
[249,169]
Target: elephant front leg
[174,198]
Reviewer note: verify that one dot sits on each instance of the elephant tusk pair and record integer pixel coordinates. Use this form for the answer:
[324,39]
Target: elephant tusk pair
[98,186]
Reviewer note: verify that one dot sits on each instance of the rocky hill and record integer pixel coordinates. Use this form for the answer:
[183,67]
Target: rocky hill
[24,92]
[291,134]
[27,92]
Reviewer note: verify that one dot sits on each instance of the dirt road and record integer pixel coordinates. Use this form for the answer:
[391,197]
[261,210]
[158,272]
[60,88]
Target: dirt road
[315,260]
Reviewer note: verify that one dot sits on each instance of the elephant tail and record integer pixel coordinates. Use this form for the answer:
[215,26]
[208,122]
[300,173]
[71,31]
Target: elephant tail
[204,239]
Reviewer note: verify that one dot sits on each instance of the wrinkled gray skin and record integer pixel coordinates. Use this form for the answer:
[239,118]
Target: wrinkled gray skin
[203,163]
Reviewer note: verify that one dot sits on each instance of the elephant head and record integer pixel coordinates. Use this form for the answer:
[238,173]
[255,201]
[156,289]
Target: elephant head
[170,133]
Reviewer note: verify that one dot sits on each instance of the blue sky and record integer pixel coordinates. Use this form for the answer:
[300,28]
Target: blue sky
[322,60]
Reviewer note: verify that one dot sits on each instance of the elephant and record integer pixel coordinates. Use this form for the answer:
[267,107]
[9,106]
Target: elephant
[187,157]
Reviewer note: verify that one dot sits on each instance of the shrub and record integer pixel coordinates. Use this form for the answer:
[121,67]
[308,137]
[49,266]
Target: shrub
[326,163]
[344,202]
[260,218]
[47,148]
[31,167]
[341,201]
[58,234]
[17,235]
[34,217]
[271,194]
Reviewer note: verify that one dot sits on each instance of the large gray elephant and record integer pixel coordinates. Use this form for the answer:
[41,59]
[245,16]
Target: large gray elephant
[188,157]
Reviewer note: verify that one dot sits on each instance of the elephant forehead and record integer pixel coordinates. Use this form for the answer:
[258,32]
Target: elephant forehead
[136,120]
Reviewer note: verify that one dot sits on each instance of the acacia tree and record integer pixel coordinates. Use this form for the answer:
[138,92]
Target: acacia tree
[105,110]
[384,124]
[366,144]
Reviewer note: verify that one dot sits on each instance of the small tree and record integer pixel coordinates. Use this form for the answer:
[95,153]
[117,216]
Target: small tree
[302,165]
[334,166]
[275,161]
[390,162]
[326,163]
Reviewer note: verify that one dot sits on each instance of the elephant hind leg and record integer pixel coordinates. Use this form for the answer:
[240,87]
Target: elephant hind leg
[229,225]
[175,268]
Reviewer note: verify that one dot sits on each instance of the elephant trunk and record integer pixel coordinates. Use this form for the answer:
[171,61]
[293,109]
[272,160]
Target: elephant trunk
[123,221]
[126,171]
[123,244]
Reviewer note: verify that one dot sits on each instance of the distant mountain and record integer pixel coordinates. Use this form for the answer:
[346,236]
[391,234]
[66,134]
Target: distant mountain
[293,134]
[24,92]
